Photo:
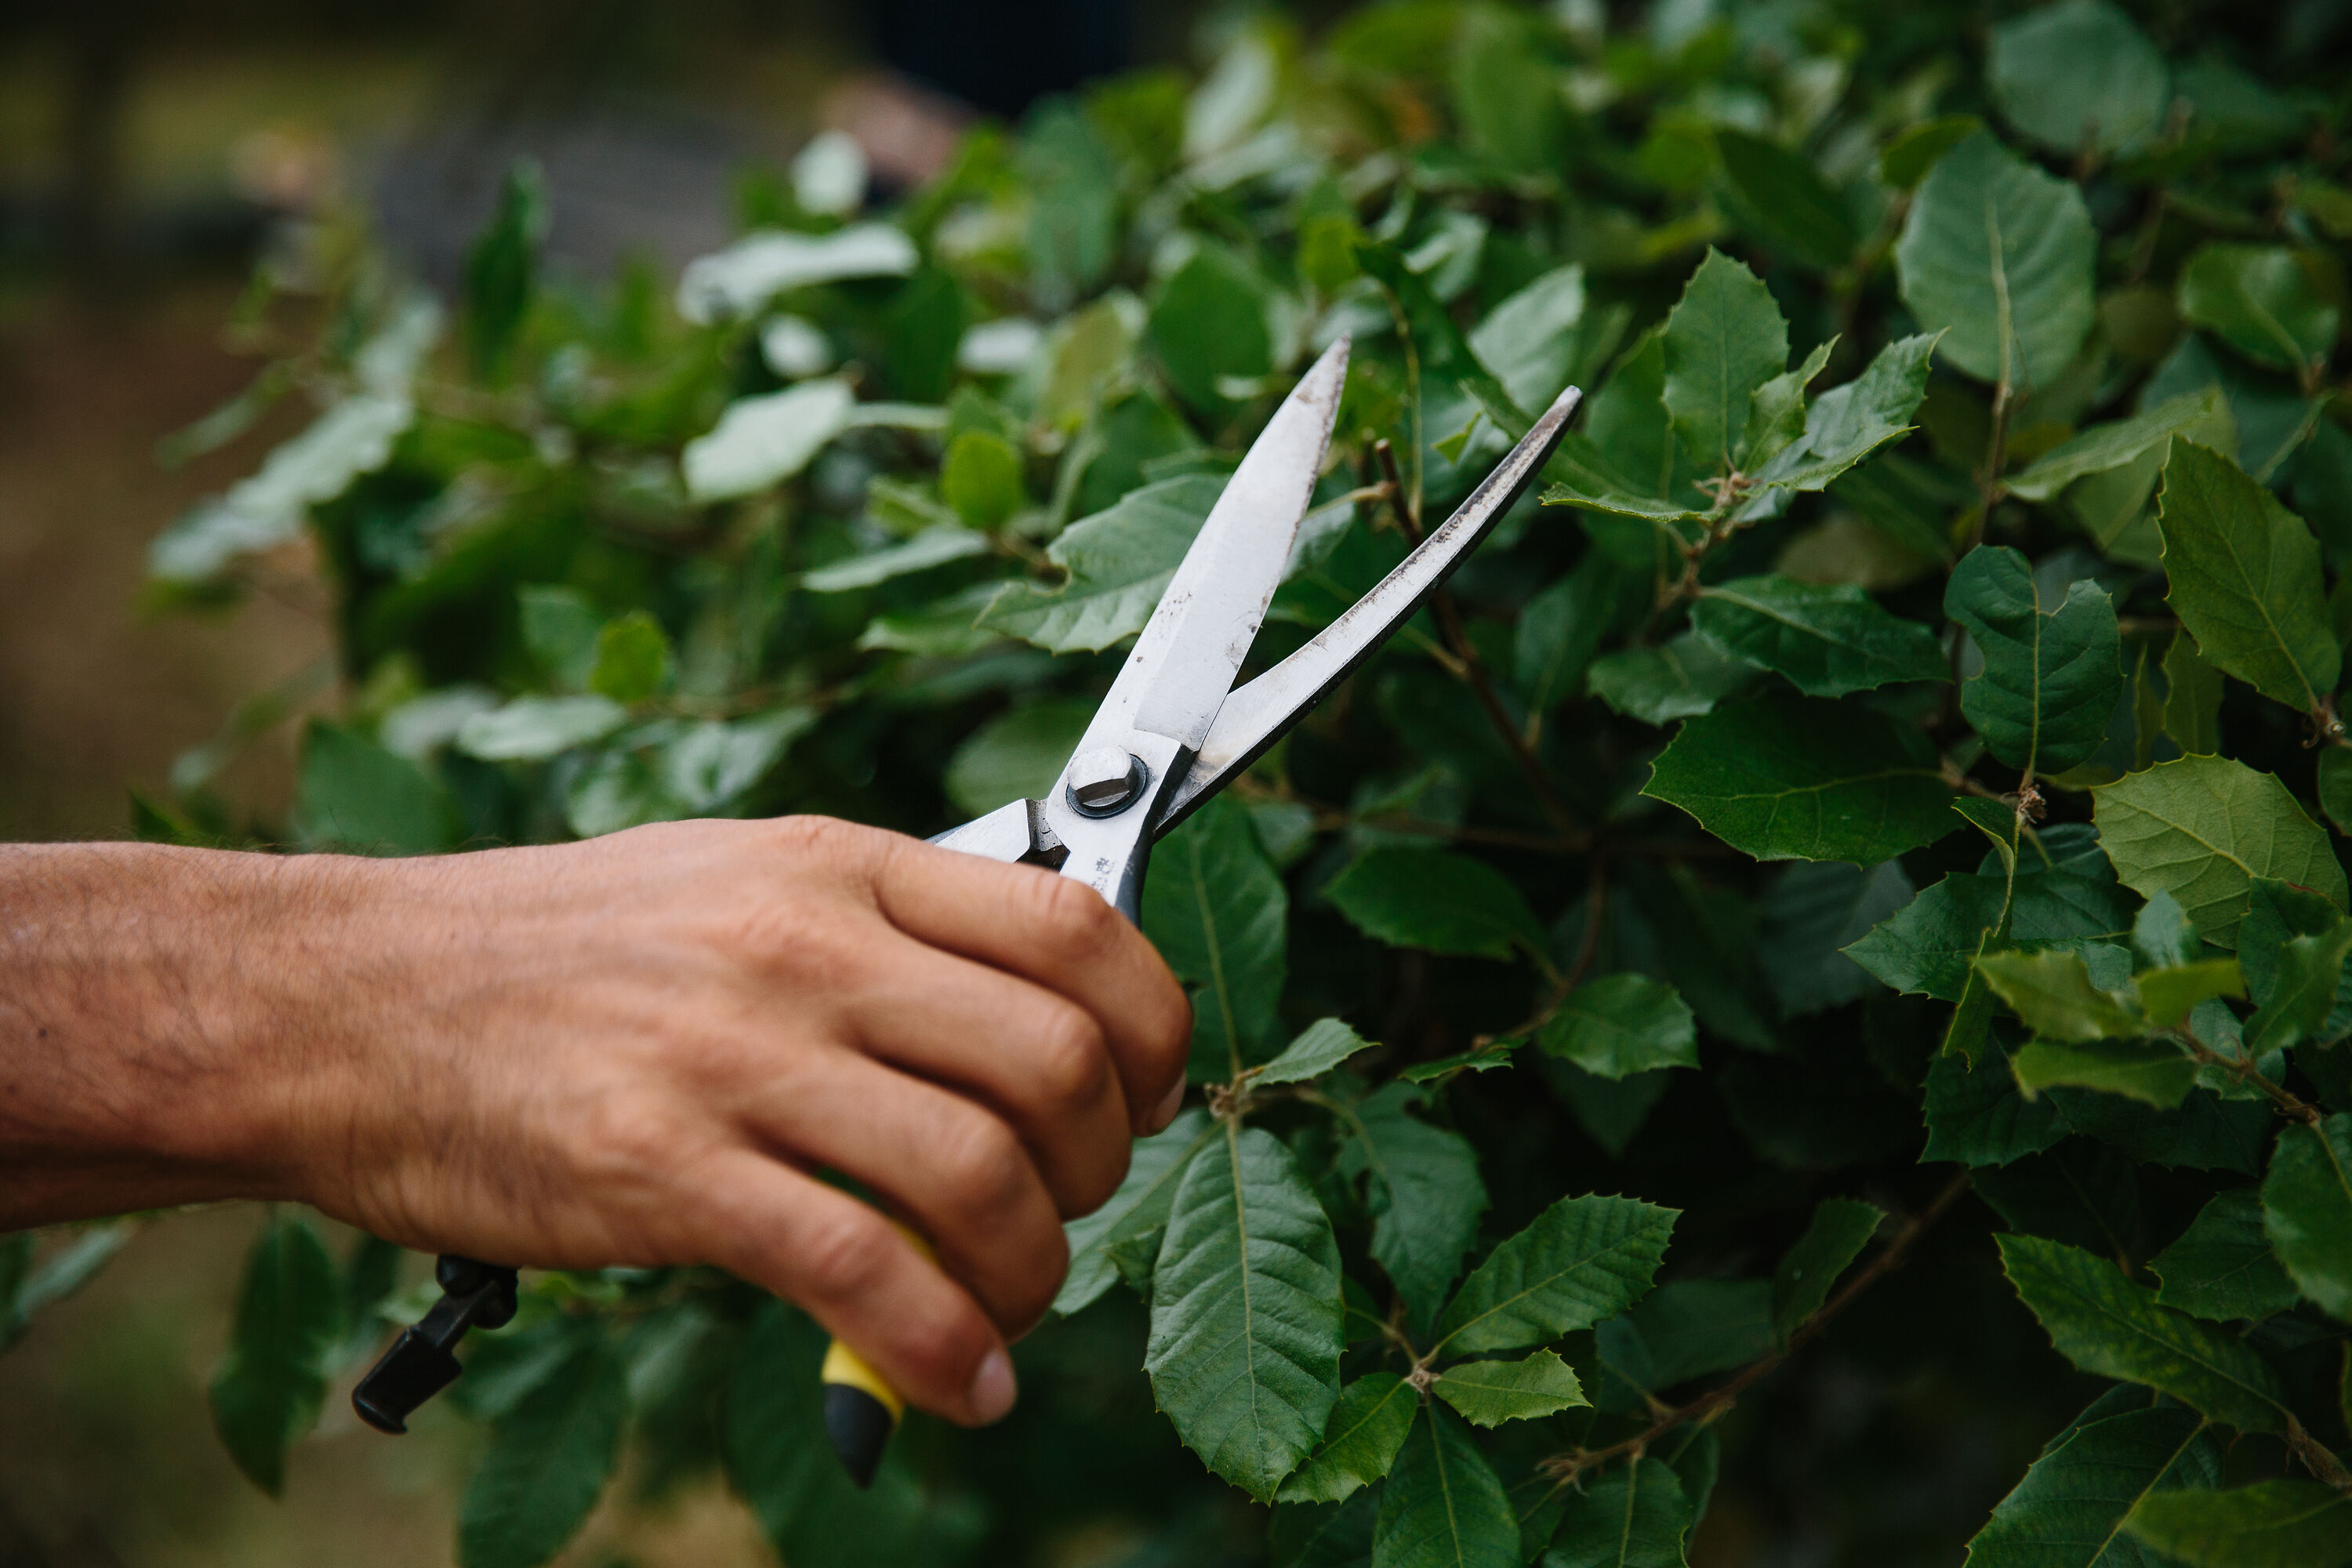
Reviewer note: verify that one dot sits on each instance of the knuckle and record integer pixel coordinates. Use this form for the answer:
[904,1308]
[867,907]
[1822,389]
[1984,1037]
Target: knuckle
[621,1139]
[1069,1060]
[987,1169]
[847,1255]
[1074,918]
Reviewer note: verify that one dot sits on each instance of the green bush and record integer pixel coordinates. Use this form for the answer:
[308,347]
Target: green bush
[1877,808]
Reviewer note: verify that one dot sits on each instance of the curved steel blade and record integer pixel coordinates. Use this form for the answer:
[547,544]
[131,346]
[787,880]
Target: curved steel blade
[1258,714]
[1184,663]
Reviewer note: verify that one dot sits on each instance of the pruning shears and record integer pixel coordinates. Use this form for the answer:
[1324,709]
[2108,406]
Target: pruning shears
[1172,731]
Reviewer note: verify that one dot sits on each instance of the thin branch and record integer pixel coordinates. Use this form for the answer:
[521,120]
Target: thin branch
[1474,667]
[1713,1403]
[2286,1100]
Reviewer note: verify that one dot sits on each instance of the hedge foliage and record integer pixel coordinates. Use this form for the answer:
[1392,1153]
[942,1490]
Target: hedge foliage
[1868,834]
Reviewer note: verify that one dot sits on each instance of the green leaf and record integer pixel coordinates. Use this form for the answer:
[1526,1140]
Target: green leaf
[2162,935]
[2309,976]
[981,478]
[633,658]
[2069,1509]
[2107,1325]
[1907,158]
[1507,92]
[1998,255]
[1118,561]
[2270,1524]
[1324,1045]
[1139,1206]
[2201,828]
[1976,1116]
[547,1463]
[1245,1349]
[1634,1516]
[502,271]
[1581,1261]
[1683,1330]
[1426,1195]
[1442,1505]
[2050,676]
[1787,778]
[2245,577]
[2153,1071]
[1216,908]
[2078,77]
[1827,639]
[1209,321]
[773,1438]
[1017,756]
[1681,678]
[269,1388]
[1583,476]
[2171,993]
[1724,338]
[741,280]
[1848,423]
[2221,1267]
[1622,1023]
[763,441]
[1531,341]
[1562,628]
[2334,786]
[1489,1393]
[1784,200]
[2054,994]
[1841,1227]
[1776,411]
[1435,900]
[1367,1428]
[2104,447]
[1814,912]
[356,796]
[1929,944]
[2262,301]
[2192,699]
[2307,1210]
[532,729]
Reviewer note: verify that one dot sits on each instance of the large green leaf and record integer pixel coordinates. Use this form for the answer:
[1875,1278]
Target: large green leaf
[547,1463]
[2264,300]
[2270,1524]
[1724,338]
[2104,447]
[1976,1115]
[354,795]
[2245,578]
[1426,1197]
[1581,1261]
[1998,255]
[772,1439]
[1436,900]
[269,1390]
[1828,638]
[1681,678]
[2301,998]
[1245,1349]
[1787,778]
[1634,1516]
[1489,1393]
[2068,1511]
[1118,563]
[1784,199]
[1016,756]
[1841,1227]
[1622,1023]
[1930,945]
[1139,1206]
[2201,828]
[2051,676]
[1561,628]
[2221,1267]
[1209,321]
[1531,340]
[2078,77]
[2106,1324]
[1367,1427]
[1442,1505]
[1216,908]
[1816,909]
[2307,1210]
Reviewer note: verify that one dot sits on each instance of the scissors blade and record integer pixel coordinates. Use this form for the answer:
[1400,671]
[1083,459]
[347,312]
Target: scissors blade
[1185,660]
[1257,715]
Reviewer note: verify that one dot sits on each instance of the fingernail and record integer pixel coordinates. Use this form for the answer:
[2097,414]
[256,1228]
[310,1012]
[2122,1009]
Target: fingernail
[1168,1107]
[993,1388]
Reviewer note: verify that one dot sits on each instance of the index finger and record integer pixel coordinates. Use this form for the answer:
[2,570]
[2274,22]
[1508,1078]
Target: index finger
[1061,934]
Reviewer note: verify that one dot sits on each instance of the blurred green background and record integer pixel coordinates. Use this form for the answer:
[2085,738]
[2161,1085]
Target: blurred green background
[149,153]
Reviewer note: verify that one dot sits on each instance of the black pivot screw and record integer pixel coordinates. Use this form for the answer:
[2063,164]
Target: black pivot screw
[420,1362]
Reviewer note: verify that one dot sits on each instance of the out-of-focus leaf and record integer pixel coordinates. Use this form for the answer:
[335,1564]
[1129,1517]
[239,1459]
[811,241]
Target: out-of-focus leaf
[2270,1524]
[1209,321]
[764,440]
[1017,756]
[269,1390]
[1118,561]
[1622,1023]
[2263,301]
[354,795]
[1998,255]
[502,271]
[532,729]
[2067,1511]
[2053,993]
[2103,448]
[1785,200]
[1436,900]
[742,279]
[1814,912]
[2077,77]
[2153,1071]
[2192,700]
[2307,1210]
[1841,1227]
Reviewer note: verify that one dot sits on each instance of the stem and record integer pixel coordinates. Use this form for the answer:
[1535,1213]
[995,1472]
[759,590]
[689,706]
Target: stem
[1474,667]
[1713,1403]
[2315,1456]
[2287,1102]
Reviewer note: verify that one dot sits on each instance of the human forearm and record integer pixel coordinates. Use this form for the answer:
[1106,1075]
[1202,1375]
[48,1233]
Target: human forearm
[160,1023]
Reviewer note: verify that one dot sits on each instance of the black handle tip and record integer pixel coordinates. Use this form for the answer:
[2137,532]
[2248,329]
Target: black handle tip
[860,1427]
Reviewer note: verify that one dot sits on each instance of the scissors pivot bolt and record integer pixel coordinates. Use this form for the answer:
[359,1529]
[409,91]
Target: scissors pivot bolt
[1105,781]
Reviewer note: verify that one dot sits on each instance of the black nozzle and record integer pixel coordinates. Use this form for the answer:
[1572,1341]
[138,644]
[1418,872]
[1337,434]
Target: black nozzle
[860,1427]
[422,1362]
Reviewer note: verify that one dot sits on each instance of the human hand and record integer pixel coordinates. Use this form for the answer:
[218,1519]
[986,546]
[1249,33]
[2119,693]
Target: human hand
[641,1050]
